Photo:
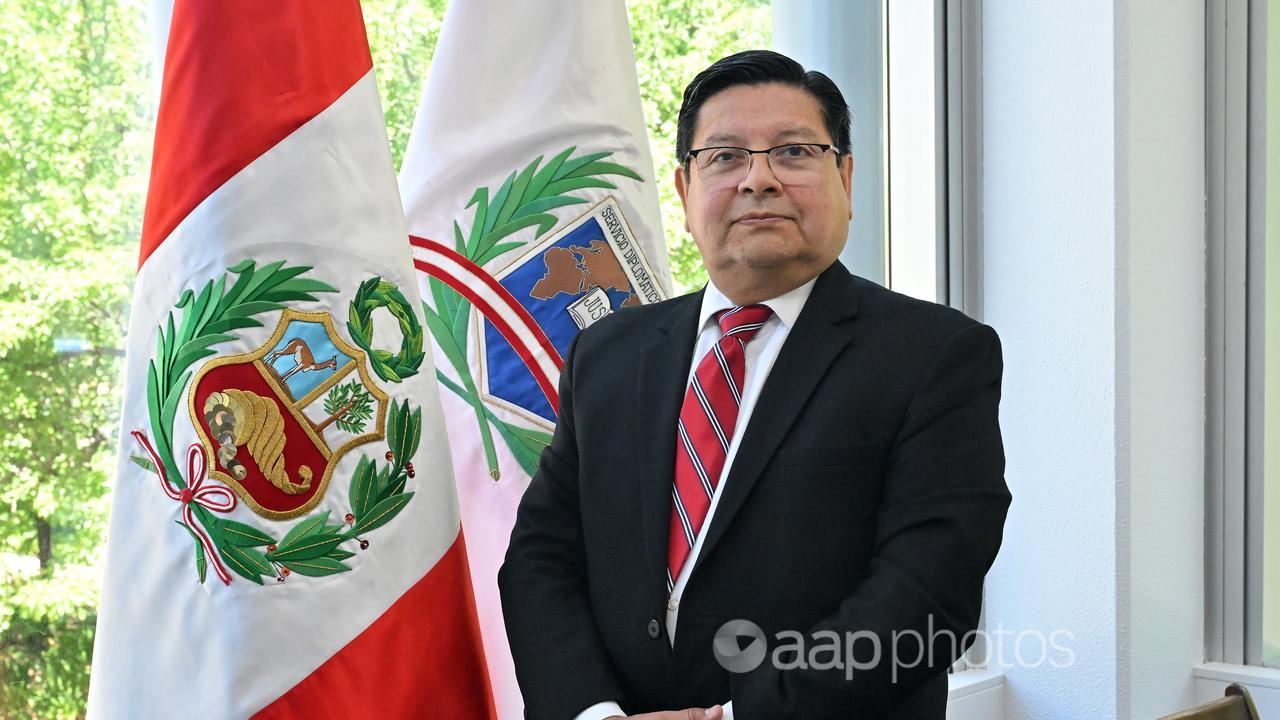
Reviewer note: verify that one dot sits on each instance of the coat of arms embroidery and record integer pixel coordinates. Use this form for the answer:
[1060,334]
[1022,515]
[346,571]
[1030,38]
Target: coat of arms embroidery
[272,424]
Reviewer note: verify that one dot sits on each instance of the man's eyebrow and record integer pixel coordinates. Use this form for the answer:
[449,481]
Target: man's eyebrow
[801,133]
[722,139]
[804,133]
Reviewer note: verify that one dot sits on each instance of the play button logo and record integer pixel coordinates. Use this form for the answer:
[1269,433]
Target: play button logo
[739,646]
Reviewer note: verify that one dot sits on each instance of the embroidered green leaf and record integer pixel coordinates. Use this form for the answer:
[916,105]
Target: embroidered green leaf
[252,308]
[415,433]
[393,427]
[284,274]
[302,529]
[246,562]
[548,172]
[495,207]
[459,242]
[230,323]
[480,199]
[143,463]
[516,195]
[239,534]
[193,350]
[483,414]
[580,183]
[317,567]
[259,278]
[604,168]
[398,432]
[403,435]
[395,484]
[362,487]
[507,228]
[382,513]
[549,203]
[571,166]
[202,564]
[383,480]
[311,546]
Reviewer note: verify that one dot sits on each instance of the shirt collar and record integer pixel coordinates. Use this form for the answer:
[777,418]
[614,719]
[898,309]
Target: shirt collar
[786,307]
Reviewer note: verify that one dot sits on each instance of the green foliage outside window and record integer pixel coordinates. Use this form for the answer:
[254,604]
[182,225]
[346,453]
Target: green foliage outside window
[77,103]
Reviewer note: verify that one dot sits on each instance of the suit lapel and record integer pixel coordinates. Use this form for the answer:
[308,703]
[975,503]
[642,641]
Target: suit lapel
[813,344]
[664,370]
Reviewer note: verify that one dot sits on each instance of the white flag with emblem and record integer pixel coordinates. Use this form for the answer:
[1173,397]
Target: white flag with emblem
[532,207]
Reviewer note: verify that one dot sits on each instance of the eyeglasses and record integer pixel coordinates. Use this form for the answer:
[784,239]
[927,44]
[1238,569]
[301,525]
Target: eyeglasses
[792,164]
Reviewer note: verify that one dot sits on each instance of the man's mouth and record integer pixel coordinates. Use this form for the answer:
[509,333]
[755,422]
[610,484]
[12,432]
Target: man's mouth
[760,218]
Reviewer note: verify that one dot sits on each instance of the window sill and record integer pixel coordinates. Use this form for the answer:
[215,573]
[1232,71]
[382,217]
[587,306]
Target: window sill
[1263,683]
[975,695]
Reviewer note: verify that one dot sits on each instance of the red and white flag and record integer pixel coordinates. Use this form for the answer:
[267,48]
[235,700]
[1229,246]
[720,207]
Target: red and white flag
[284,535]
[532,208]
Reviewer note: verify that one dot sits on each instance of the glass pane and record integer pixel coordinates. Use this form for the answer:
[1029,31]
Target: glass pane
[913,149]
[1271,351]
[846,40]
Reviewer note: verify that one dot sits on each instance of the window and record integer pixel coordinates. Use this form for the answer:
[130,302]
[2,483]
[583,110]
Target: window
[1270,341]
[1243,363]
[909,71]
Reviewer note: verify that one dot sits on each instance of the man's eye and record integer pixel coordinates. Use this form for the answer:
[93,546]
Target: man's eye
[724,156]
[794,152]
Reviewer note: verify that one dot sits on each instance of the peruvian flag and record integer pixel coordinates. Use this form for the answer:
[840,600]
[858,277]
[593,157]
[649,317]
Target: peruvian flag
[532,208]
[285,537]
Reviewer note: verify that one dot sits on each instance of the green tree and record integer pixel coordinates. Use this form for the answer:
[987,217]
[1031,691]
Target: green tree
[75,120]
[674,40]
[402,37]
[349,405]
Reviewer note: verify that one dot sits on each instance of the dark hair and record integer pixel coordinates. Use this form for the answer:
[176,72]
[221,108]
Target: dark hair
[757,67]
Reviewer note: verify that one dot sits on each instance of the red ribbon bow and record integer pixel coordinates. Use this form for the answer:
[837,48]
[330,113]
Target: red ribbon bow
[214,497]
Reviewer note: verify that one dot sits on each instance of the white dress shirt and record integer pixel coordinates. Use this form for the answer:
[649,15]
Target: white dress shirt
[761,353]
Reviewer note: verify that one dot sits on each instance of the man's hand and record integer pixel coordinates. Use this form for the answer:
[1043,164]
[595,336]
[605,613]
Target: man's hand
[711,713]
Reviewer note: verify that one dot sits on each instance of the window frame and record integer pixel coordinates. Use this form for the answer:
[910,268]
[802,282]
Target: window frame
[1235,80]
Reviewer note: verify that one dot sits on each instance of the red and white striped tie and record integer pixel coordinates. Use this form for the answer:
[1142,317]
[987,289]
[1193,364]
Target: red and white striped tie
[707,419]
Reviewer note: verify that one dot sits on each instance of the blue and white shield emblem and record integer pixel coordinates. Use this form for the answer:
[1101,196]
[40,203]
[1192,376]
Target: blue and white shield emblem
[572,279]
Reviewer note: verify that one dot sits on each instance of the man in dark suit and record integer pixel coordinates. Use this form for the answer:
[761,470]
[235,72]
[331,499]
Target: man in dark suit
[795,448]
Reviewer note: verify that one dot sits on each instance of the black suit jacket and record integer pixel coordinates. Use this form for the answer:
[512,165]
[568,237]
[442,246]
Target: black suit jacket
[867,495]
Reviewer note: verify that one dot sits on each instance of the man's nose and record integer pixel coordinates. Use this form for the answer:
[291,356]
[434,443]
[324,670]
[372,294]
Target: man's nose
[759,177]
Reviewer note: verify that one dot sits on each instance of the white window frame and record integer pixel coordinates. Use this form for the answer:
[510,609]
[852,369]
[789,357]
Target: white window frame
[954,160]
[1235,63]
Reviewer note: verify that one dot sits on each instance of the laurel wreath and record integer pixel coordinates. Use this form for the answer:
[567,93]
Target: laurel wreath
[311,546]
[523,200]
[377,293]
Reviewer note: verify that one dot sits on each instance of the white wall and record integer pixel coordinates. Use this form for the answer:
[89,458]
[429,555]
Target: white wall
[1050,287]
[1094,277]
[1162,489]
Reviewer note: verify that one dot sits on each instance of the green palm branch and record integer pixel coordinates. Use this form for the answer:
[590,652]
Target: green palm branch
[525,199]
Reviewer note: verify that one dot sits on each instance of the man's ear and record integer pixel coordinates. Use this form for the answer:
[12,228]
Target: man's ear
[846,177]
[681,181]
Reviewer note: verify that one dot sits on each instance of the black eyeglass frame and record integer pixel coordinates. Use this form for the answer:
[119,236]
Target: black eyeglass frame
[692,155]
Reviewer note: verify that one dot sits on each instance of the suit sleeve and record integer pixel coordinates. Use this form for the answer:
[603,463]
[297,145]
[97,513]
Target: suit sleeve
[560,661]
[939,527]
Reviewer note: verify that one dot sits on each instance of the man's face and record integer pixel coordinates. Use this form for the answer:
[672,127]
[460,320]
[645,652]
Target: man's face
[760,224]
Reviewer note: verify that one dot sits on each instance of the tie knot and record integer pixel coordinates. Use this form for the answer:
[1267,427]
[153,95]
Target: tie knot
[743,322]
